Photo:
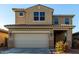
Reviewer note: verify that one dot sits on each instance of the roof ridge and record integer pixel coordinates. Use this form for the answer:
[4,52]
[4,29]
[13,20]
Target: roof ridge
[40,5]
[32,6]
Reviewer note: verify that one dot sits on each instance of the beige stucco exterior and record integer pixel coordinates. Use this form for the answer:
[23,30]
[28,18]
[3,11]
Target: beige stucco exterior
[50,28]
[61,19]
[26,23]
[28,15]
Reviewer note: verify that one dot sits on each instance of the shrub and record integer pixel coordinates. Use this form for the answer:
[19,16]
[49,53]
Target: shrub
[62,47]
[66,47]
[59,48]
[77,44]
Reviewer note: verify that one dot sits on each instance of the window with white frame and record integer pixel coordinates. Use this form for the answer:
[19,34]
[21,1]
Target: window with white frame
[39,16]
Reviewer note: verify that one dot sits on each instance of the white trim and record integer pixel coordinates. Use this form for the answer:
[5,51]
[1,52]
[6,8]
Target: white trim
[30,31]
[39,21]
[66,25]
[39,17]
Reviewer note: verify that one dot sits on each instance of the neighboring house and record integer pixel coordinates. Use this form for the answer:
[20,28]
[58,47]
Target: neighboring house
[37,27]
[3,38]
[75,40]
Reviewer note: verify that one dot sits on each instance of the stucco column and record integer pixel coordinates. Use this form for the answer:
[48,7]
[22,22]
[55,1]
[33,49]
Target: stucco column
[69,38]
[11,40]
[51,40]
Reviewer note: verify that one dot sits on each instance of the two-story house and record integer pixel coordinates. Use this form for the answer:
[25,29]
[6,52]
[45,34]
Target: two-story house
[37,27]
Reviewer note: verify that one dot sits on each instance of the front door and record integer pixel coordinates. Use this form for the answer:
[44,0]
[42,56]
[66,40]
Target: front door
[59,35]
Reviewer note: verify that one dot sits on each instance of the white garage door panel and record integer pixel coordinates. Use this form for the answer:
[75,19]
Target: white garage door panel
[31,40]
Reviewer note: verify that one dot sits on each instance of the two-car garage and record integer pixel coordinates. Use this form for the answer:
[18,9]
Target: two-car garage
[32,39]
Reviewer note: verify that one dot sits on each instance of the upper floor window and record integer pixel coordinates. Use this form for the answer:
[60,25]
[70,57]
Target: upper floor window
[39,16]
[36,14]
[55,20]
[42,16]
[21,13]
[66,20]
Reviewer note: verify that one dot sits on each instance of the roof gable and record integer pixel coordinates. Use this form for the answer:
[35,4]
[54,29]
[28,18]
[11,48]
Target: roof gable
[23,9]
[40,6]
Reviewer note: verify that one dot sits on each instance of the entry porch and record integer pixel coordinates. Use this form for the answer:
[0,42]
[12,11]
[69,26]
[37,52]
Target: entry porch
[60,35]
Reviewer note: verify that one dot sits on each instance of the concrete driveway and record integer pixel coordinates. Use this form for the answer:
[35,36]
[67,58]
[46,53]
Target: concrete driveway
[33,51]
[27,50]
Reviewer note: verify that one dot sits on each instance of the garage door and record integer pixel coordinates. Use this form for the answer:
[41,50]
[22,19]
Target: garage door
[31,40]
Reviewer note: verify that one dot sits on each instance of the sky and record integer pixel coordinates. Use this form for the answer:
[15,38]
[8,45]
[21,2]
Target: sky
[7,16]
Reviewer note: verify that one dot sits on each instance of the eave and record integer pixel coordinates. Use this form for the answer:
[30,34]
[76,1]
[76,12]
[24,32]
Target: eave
[70,15]
[31,26]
